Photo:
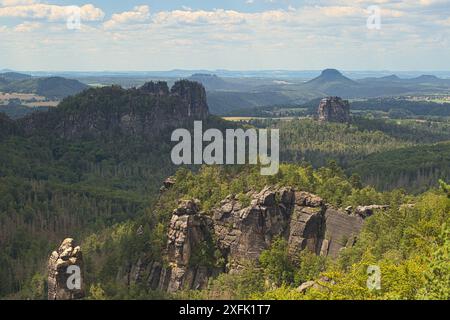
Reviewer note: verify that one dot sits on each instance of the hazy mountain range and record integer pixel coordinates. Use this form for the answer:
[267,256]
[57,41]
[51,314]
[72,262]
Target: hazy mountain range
[330,82]
[226,93]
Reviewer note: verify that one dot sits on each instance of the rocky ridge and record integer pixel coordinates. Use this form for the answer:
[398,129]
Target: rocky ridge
[240,232]
[114,111]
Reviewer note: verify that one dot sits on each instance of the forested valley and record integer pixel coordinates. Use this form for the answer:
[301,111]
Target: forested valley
[104,190]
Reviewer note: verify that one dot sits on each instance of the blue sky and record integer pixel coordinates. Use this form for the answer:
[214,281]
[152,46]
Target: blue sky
[232,34]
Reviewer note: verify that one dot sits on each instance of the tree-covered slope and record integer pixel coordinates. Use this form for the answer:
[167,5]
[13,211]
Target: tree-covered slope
[51,87]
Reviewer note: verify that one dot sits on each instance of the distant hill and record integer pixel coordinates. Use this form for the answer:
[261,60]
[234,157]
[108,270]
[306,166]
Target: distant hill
[50,87]
[332,82]
[426,78]
[14,76]
[330,76]
[210,81]
[392,77]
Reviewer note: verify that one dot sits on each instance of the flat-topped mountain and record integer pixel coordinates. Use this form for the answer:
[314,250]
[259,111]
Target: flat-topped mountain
[332,82]
[330,75]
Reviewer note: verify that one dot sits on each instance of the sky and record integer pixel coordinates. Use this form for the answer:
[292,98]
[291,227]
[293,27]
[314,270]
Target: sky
[138,35]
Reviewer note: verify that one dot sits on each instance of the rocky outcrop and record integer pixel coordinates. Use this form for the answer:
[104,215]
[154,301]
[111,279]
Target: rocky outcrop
[334,109]
[113,111]
[189,230]
[240,232]
[321,284]
[159,88]
[367,211]
[168,184]
[65,272]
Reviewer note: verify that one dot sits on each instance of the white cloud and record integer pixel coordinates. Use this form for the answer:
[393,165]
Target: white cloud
[139,14]
[50,12]
[8,3]
[27,26]
[290,36]
[200,17]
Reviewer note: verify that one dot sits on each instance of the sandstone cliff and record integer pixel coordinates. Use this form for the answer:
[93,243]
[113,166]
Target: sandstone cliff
[114,111]
[241,232]
[334,109]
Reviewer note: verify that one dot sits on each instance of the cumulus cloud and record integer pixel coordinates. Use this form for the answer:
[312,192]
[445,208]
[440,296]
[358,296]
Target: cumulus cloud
[289,32]
[138,15]
[200,17]
[7,3]
[17,9]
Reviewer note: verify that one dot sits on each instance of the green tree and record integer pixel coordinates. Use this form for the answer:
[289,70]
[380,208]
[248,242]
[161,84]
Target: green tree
[276,263]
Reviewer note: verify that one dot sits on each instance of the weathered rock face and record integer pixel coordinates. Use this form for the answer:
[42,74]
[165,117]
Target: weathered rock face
[334,109]
[113,111]
[159,88]
[61,266]
[188,231]
[303,219]
[241,232]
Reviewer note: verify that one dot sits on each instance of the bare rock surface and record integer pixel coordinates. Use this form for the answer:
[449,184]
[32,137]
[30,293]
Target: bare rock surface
[240,232]
[61,261]
[334,109]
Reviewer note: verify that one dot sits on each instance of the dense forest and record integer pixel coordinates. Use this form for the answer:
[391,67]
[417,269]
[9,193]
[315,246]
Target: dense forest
[394,108]
[102,187]
[386,153]
[410,242]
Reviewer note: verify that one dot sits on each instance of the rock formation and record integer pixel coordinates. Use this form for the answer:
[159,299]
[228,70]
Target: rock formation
[159,88]
[63,267]
[367,211]
[188,231]
[167,184]
[114,111]
[241,232]
[334,109]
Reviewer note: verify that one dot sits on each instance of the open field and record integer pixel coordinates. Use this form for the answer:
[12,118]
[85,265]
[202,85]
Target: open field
[26,99]
[20,96]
